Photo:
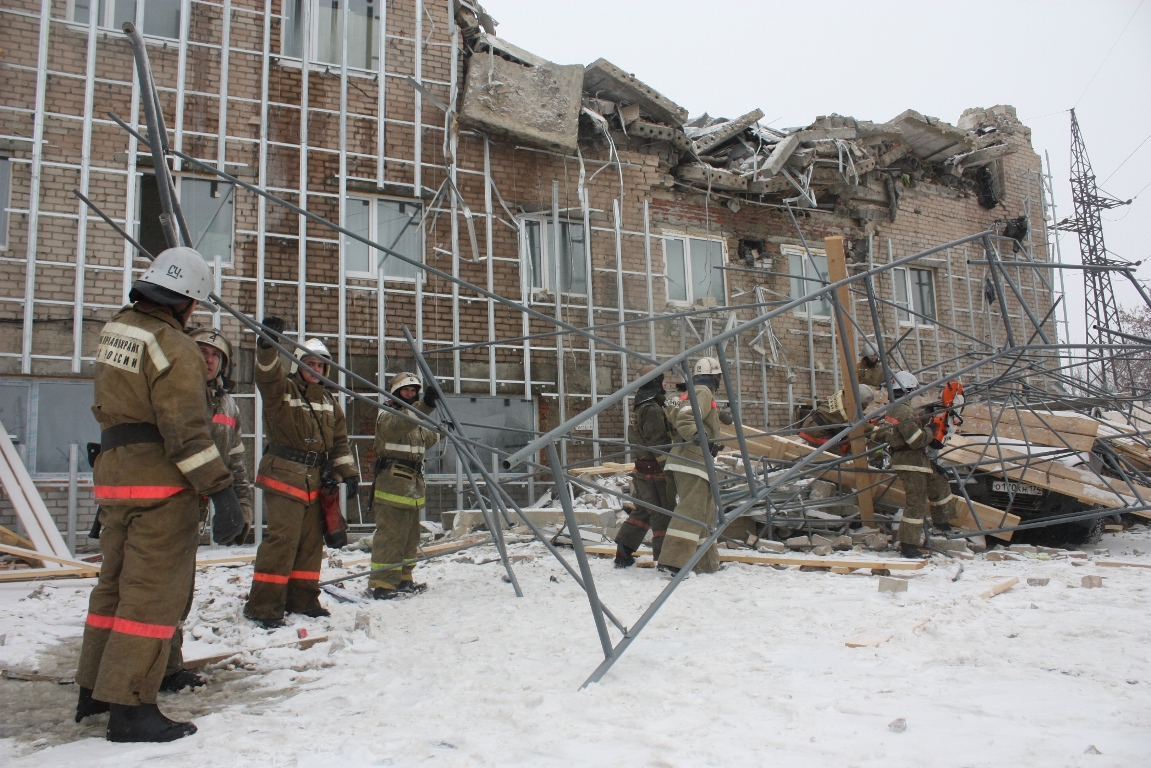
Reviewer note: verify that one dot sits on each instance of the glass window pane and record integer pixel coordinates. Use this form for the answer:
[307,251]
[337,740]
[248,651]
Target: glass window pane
[808,279]
[5,197]
[398,228]
[364,34]
[676,267]
[208,209]
[572,265]
[80,11]
[292,31]
[924,294]
[68,420]
[534,252]
[125,10]
[706,277]
[358,219]
[327,30]
[161,17]
[899,276]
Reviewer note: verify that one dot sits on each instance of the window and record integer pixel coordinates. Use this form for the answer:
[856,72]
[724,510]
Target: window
[392,223]
[693,269]
[562,272]
[915,290]
[808,274]
[209,210]
[5,199]
[326,33]
[161,17]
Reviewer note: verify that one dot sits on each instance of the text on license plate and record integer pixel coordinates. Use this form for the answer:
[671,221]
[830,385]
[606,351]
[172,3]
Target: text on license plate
[1003,486]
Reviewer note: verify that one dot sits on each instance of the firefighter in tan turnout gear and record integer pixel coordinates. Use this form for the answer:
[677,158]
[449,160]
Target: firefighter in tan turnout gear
[925,486]
[649,427]
[156,459]
[224,425]
[689,473]
[306,455]
[830,416]
[398,491]
[868,370]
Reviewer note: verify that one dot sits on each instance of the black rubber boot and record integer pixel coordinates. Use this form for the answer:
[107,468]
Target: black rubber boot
[384,593]
[315,613]
[144,723]
[86,705]
[409,587]
[181,679]
[623,557]
[911,552]
[266,623]
[668,570]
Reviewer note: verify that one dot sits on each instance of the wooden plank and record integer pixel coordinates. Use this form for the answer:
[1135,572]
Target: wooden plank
[836,271]
[23,509]
[37,574]
[11,537]
[1000,588]
[233,560]
[757,558]
[868,641]
[607,468]
[999,414]
[303,645]
[43,518]
[1114,564]
[30,554]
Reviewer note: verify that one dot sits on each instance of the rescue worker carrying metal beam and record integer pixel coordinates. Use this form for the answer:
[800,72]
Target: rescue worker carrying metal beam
[398,491]
[649,426]
[923,483]
[830,417]
[690,476]
[224,424]
[157,458]
[307,451]
[868,370]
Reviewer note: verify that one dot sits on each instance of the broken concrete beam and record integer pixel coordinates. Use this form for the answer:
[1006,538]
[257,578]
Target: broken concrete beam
[888,584]
[817,134]
[604,80]
[891,155]
[629,113]
[537,105]
[980,157]
[716,178]
[779,156]
[769,186]
[646,130]
[600,106]
[930,138]
[719,134]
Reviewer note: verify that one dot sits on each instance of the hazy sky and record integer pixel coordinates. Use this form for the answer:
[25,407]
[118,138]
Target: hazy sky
[873,60]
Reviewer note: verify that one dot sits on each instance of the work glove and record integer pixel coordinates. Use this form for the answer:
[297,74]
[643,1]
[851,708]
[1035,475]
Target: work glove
[725,416]
[272,323]
[228,521]
[351,486]
[431,397]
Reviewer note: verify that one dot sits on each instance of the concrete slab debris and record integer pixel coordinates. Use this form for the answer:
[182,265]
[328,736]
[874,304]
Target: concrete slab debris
[604,80]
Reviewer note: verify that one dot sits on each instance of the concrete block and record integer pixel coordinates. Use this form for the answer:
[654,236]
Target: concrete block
[720,133]
[769,186]
[1092,582]
[888,584]
[842,542]
[798,542]
[949,545]
[1076,555]
[1026,549]
[718,178]
[1037,582]
[819,541]
[537,105]
[822,489]
[780,155]
[822,550]
[765,545]
[604,80]
[977,543]
[876,540]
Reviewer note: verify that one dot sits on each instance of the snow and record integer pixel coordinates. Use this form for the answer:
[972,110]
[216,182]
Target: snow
[744,667]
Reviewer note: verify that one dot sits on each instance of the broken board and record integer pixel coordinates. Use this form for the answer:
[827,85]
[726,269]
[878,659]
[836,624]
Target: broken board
[999,588]
[302,644]
[757,558]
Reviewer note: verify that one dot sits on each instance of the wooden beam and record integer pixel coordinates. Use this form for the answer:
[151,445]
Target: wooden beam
[17,482]
[1059,431]
[38,574]
[11,537]
[33,555]
[303,644]
[836,271]
[757,558]
[1000,588]
[1113,564]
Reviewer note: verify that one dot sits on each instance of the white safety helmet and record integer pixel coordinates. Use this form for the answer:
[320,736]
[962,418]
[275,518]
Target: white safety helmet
[869,350]
[181,271]
[706,366]
[404,379]
[905,382]
[315,348]
[866,395]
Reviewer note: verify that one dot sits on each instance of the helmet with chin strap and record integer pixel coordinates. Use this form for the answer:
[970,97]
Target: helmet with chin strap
[314,348]
[215,338]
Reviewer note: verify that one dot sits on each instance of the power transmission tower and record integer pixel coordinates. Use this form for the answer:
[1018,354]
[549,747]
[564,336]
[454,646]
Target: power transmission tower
[1102,309]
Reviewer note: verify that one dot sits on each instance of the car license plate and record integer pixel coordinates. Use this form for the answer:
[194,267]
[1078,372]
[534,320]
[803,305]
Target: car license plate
[1003,486]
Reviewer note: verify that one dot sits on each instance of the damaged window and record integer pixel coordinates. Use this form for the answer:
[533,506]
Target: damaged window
[915,290]
[808,274]
[326,31]
[394,224]
[209,210]
[692,266]
[565,271]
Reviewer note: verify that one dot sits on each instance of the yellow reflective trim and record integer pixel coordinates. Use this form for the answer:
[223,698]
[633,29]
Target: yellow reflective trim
[155,351]
[198,459]
[405,501]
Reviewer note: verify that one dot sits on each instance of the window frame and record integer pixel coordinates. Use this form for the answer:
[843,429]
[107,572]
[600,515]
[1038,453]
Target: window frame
[373,235]
[5,199]
[689,277]
[802,310]
[180,179]
[313,41]
[543,292]
[139,11]
[913,292]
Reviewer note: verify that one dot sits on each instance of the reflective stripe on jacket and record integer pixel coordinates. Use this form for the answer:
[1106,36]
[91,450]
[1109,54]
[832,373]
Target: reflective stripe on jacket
[686,455]
[400,485]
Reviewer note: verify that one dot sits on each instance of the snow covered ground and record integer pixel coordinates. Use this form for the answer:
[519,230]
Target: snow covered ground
[742,668]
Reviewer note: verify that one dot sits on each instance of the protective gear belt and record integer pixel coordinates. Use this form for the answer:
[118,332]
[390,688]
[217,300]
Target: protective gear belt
[129,434]
[307,458]
[384,462]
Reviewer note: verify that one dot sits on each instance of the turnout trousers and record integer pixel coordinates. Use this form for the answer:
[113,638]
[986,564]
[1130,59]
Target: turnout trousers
[288,561]
[397,538]
[658,491]
[145,579]
[926,494]
[683,537]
